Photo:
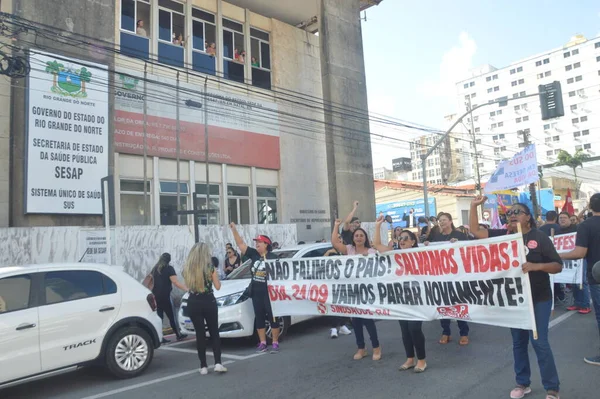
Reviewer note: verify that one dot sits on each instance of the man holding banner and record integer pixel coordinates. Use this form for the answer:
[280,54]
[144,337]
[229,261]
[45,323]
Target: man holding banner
[542,260]
[587,245]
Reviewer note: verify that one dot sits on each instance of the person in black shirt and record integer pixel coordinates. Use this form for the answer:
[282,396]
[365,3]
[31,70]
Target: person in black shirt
[447,232]
[550,224]
[564,223]
[164,277]
[587,246]
[351,223]
[258,291]
[542,260]
[232,261]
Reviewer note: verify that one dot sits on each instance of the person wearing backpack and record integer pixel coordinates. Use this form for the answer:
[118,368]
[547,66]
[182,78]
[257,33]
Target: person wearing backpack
[164,277]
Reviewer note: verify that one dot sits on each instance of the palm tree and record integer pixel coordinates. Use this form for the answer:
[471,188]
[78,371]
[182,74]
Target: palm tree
[572,161]
[54,68]
[85,76]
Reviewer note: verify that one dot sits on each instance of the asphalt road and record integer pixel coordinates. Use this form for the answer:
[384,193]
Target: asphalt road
[311,365]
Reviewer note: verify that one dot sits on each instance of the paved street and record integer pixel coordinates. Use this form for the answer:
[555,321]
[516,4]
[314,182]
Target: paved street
[311,365]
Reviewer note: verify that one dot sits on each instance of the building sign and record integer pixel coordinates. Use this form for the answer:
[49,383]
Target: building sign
[401,165]
[400,211]
[92,246]
[242,131]
[67,135]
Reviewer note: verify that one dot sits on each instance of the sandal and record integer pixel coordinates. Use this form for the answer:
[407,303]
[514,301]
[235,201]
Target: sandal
[519,392]
[405,367]
[445,339]
[421,369]
[360,354]
[552,395]
[464,340]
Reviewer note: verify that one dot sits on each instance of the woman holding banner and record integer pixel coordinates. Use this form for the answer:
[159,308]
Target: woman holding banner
[360,246]
[542,260]
[448,233]
[412,330]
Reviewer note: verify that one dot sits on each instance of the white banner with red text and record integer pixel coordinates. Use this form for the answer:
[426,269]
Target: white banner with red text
[479,281]
[572,272]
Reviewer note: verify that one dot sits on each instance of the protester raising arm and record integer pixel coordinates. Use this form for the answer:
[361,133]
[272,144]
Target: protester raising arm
[474,219]
[377,239]
[335,241]
[348,219]
[239,241]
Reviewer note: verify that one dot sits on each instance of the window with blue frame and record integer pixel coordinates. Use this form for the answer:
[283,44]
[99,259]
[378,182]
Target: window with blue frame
[171,32]
[204,38]
[234,52]
[260,52]
[135,28]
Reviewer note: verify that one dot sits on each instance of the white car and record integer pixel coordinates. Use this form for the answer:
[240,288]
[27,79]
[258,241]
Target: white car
[236,314]
[55,318]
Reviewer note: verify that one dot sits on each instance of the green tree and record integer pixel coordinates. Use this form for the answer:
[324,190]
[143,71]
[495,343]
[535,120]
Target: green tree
[572,161]
[54,68]
[85,76]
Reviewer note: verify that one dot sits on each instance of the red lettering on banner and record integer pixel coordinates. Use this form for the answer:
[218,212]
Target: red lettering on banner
[456,312]
[482,258]
[565,242]
[426,263]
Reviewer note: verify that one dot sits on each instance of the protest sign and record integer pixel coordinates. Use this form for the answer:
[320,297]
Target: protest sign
[572,272]
[515,172]
[480,281]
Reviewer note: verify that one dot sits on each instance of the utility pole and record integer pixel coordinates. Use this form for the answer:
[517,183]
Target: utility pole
[478,184]
[145,144]
[177,150]
[532,189]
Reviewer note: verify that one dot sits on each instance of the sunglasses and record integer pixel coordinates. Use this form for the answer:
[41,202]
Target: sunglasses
[404,238]
[516,212]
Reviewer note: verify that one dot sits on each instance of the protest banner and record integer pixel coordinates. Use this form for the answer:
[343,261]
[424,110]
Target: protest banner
[572,272]
[479,281]
[515,172]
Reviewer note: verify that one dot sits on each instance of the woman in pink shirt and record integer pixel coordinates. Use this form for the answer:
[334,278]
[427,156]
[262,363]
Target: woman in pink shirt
[360,246]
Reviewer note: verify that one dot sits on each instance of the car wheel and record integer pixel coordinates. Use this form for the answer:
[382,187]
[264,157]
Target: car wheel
[129,352]
[284,325]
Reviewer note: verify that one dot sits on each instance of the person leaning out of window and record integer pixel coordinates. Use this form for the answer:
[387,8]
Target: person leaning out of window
[541,261]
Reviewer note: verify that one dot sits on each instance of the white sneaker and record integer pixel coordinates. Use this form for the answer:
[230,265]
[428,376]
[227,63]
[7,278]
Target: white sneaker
[204,370]
[219,368]
[345,330]
[334,333]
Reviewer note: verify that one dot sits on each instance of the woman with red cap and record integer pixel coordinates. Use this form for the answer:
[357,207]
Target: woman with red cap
[257,290]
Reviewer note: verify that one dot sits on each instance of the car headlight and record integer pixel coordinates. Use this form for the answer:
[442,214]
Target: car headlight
[231,299]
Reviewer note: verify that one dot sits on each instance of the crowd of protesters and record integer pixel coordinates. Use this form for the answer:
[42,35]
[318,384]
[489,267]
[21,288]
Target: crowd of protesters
[349,238]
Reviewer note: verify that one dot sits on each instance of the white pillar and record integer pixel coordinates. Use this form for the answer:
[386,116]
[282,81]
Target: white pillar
[225,205]
[253,206]
[155,205]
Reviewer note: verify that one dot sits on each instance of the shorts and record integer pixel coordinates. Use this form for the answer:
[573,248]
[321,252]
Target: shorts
[263,311]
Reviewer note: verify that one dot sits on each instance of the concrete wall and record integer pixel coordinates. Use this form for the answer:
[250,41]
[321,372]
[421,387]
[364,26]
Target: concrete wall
[136,248]
[349,160]
[73,16]
[303,177]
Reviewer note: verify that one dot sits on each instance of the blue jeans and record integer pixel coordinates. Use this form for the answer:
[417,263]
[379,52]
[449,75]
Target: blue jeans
[595,294]
[358,324]
[463,327]
[542,349]
[582,295]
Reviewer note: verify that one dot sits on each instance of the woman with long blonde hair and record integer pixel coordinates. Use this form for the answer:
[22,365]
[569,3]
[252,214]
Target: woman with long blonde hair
[200,276]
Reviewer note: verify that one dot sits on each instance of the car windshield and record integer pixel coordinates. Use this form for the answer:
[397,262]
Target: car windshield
[286,254]
[242,272]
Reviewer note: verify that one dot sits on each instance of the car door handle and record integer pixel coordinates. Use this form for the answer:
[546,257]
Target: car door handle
[25,326]
[107,308]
